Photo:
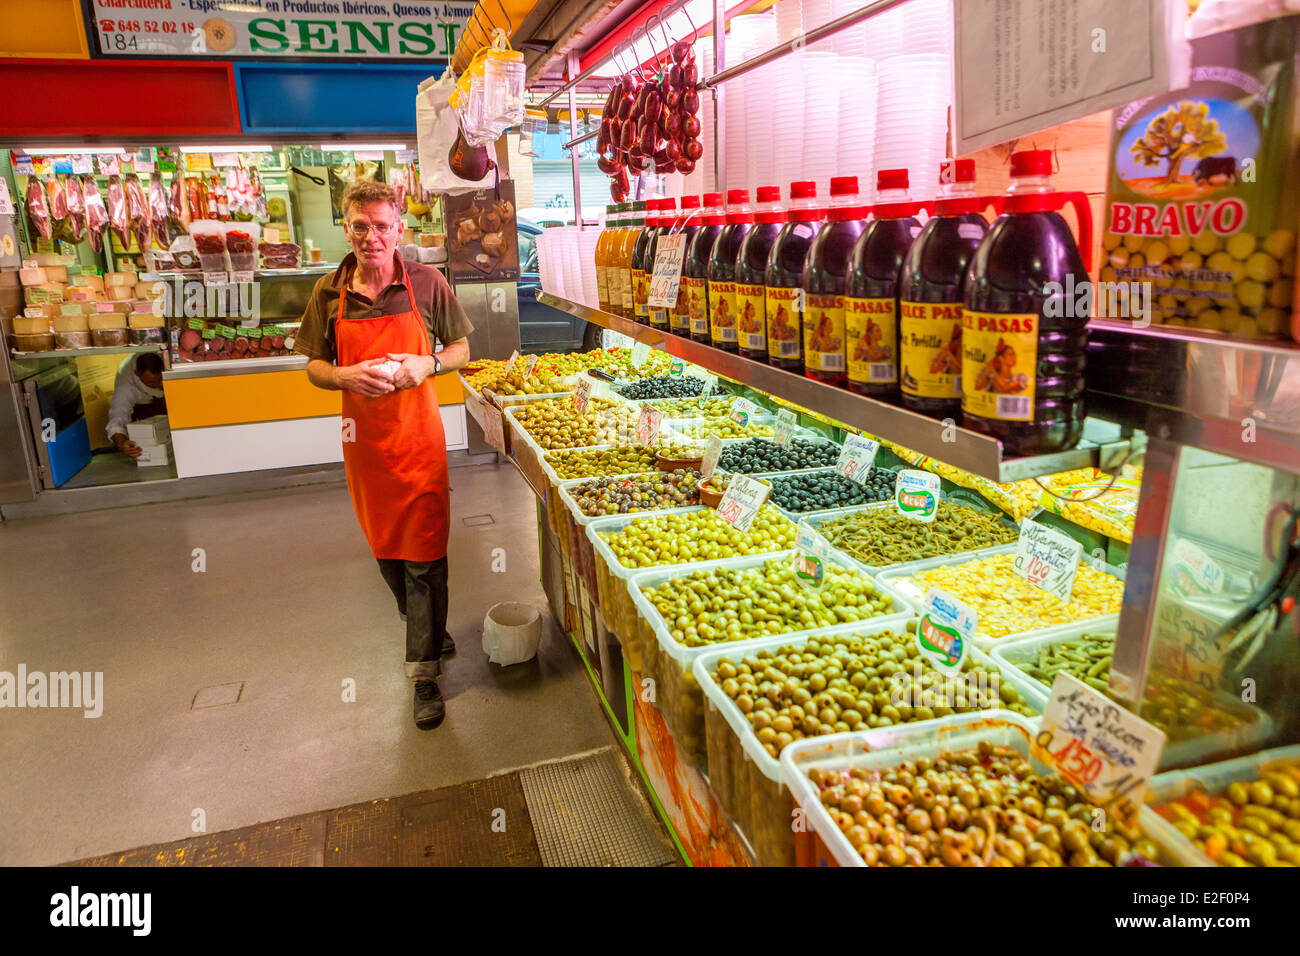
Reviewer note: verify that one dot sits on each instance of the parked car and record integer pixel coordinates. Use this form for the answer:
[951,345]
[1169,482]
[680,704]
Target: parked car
[543,328]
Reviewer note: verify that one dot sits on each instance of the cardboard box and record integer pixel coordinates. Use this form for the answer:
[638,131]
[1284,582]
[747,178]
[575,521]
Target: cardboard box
[150,431]
[153,454]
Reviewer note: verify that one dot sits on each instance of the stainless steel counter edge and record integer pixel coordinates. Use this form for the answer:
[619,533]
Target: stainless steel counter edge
[279,363]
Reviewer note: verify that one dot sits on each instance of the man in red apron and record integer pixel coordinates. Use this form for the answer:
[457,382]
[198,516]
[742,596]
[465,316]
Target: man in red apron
[370,330]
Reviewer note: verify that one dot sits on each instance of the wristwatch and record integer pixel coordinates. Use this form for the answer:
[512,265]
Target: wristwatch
[437,366]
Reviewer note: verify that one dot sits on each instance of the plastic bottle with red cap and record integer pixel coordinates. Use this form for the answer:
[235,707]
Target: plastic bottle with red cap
[696,271]
[723,332]
[871,291]
[932,293]
[640,276]
[679,319]
[751,270]
[825,275]
[668,220]
[783,278]
[1022,350]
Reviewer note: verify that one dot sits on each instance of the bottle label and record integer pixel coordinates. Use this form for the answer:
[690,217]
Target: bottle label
[999,355]
[870,325]
[679,319]
[752,310]
[930,348]
[783,323]
[722,311]
[823,333]
[602,286]
[697,305]
[641,294]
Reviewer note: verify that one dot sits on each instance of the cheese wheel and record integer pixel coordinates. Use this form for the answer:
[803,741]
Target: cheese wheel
[121,293]
[49,259]
[118,279]
[40,311]
[95,282]
[144,320]
[33,276]
[71,323]
[26,326]
[69,308]
[106,320]
[149,290]
[56,273]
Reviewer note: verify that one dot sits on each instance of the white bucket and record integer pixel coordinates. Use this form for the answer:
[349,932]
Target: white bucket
[511,633]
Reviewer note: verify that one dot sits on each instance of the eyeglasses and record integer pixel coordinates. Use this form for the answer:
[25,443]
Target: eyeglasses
[361,230]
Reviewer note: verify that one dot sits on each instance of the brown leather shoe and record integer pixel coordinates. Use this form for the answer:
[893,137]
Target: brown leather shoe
[429,708]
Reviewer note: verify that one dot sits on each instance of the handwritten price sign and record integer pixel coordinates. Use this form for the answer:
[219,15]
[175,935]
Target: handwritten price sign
[667,274]
[1104,750]
[582,395]
[530,363]
[712,452]
[857,457]
[785,425]
[1047,559]
[740,503]
[640,352]
[647,424]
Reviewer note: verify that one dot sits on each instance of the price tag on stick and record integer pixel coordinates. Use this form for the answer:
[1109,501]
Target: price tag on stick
[640,352]
[785,426]
[810,553]
[530,363]
[743,498]
[667,274]
[712,452]
[582,395]
[514,357]
[1047,558]
[647,424]
[857,457]
[1106,751]
[946,631]
[916,495]
[742,409]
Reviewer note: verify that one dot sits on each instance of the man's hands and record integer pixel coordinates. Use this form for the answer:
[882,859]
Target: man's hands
[126,446]
[415,369]
[365,378]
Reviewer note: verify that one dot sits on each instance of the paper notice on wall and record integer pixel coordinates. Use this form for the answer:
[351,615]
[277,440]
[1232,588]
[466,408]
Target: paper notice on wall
[1023,65]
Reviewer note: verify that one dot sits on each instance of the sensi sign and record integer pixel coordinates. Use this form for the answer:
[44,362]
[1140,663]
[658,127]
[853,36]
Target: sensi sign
[351,37]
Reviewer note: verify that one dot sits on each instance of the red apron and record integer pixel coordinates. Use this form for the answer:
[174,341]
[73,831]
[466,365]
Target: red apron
[396,463]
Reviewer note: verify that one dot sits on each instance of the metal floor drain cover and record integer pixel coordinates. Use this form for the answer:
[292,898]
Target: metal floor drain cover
[585,812]
[218,695]
[473,520]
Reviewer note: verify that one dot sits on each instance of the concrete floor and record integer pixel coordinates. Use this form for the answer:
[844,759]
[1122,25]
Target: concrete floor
[292,605]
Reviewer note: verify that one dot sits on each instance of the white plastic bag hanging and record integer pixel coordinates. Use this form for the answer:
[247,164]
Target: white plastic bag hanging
[437,125]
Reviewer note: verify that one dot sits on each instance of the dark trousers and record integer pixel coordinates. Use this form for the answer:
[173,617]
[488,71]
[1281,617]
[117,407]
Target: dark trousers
[421,591]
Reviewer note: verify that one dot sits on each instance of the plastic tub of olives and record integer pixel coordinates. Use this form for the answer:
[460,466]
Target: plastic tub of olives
[1212,779]
[761,812]
[817,519]
[797,516]
[669,662]
[896,578]
[1256,727]
[887,747]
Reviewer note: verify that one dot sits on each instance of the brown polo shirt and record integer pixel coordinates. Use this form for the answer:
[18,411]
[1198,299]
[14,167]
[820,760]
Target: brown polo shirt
[437,304]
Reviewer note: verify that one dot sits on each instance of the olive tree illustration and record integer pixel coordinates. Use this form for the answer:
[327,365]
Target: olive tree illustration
[1184,131]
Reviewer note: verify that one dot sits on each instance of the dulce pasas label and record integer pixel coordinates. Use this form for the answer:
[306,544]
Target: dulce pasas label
[999,358]
[783,322]
[641,294]
[930,348]
[697,304]
[823,333]
[751,312]
[722,311]
[870,327]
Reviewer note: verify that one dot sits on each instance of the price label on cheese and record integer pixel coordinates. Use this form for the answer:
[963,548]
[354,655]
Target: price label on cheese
[667,274]
[530,363]
[208,334]
[946,631]
[741,501]
[1104,750]
[35,312]
[514,357]
[742,409]
[811,552]
[856,458]
[216,278]
[252,332]
[1193,571]
[712,452]
[785,426]
[1047,558]
[640,352]
[582,395]
[108,307]
[227,331]
[647,424]
[195,324]
[493,433]
[916,495]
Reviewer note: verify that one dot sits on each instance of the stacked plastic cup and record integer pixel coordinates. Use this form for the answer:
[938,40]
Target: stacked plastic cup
[884,34]
[857,143]
[912,116]
[929,27]
[760,96]
[789,20]
[587,239]
[815,13]
[787,118]
[821,116]
[754,33]
[853,40]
